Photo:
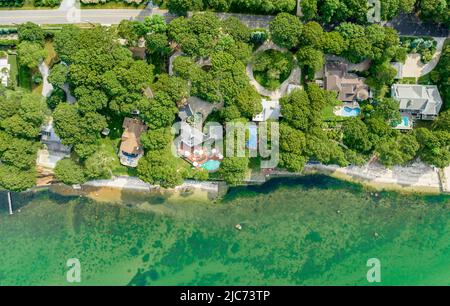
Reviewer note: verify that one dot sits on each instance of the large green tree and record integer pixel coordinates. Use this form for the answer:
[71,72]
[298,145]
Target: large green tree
[69,172]
[234,169]
[286,30]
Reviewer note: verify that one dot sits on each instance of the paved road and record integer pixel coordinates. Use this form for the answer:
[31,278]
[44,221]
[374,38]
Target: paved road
[410,24]
[58,16]
[406,24]
[104,16]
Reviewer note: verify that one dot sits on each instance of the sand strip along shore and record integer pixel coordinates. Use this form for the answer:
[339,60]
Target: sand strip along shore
[417,177]
[134,183]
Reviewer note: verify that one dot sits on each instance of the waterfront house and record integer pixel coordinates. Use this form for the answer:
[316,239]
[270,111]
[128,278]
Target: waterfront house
[349,86]
[53,150]
[194,144]
[131,148]
[420,101]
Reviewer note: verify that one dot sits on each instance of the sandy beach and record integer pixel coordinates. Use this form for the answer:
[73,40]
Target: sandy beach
[417,177]
[114,190]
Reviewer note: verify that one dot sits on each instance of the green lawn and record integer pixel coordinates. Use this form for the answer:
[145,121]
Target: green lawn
[52,57]
[110,146]
[13,73]
[25,78]
[409,80]
[328,114]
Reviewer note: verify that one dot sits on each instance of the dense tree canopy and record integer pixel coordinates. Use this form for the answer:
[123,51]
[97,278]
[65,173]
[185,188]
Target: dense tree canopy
[234,169]
[286,30]
[30,32]
[30,54]
[21,116]
[159,168]
[69,172]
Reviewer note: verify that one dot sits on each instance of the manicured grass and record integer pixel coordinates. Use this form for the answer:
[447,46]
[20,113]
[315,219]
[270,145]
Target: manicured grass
[37,88]
[13,73]
[328,114]
[25,78]
[110,146]
[410,80]
[52,57]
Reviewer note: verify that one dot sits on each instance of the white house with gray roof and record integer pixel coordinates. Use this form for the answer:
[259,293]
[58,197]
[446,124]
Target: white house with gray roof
[271,109]
[421,101]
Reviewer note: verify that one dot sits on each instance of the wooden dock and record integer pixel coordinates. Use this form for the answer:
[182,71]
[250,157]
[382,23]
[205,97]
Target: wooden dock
[10,203]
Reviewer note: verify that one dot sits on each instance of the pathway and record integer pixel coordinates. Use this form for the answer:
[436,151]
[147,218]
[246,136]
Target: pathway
[410,24]
[47,88]
[414,68]
[294,77]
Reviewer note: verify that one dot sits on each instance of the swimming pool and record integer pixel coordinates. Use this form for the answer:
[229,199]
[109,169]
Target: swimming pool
[405,120]
[405,123]
[252,142]
[211,165]
[350,112]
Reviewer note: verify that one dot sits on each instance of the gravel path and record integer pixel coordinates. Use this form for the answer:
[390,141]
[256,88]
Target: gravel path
[47,88]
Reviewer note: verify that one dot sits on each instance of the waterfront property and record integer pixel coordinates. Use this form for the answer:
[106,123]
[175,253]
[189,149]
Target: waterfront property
[194,145]
[131,148]
[422,102]
[53,150]
[349,86]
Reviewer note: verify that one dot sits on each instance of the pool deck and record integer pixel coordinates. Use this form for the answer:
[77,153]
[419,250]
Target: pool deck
[200,158]
[339,110]
[404,127]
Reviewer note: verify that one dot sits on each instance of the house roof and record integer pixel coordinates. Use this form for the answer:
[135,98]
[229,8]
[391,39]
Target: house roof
[421,98]
[138,52]
[185,112]
[399,68]
[191,136]
[349,86]
[51,139]
[271,110]
[131,137]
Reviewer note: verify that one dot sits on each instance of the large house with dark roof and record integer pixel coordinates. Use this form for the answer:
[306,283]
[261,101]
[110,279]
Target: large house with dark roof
[349,86]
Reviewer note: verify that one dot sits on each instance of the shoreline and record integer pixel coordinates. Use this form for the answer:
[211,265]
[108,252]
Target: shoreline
[415,179]
[418,178]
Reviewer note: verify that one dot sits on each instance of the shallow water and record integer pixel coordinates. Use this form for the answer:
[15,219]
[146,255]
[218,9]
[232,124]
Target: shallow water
[309,230]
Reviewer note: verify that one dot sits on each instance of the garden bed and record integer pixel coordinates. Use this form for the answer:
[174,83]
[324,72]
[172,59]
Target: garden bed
[425,46]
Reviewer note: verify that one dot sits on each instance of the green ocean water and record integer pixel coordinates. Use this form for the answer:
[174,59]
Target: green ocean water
[312,230]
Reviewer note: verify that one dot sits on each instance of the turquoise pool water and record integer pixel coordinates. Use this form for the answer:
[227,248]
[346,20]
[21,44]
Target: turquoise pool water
[211,165]
[405,120]
[350,112]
